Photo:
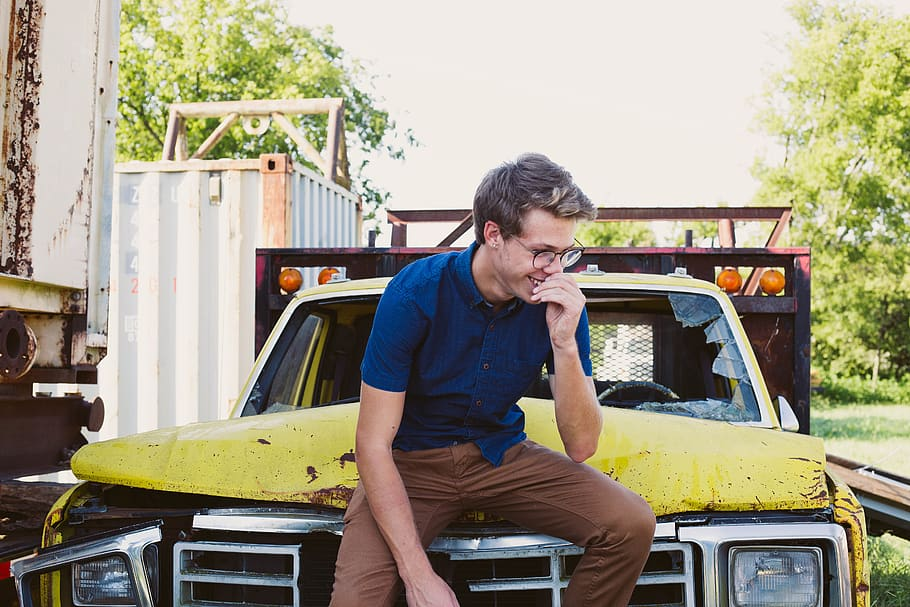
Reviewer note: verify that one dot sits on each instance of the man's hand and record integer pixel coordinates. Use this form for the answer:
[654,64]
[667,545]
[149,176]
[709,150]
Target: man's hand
[565,301]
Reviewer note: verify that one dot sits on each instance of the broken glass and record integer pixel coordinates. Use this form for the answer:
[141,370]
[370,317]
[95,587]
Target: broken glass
[710,408]
[729,363]
[694,310]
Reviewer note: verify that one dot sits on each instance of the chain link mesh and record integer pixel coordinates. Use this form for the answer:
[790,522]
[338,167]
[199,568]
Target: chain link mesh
[622,352]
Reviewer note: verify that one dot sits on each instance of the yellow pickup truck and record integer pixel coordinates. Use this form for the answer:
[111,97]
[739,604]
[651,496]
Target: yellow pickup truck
[248,510]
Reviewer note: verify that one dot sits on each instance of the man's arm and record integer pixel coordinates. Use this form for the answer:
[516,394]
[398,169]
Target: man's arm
[578,414]
[380,416]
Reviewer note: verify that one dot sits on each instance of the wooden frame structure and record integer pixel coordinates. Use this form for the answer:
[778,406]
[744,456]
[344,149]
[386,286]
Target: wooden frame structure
[256,116]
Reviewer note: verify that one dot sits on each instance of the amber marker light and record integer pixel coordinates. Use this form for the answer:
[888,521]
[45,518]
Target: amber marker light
[729,280]
[326,274]
[772,282]
[290,280]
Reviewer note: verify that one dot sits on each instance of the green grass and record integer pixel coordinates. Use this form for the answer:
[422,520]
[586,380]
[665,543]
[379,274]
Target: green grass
[878,435]
[890,557]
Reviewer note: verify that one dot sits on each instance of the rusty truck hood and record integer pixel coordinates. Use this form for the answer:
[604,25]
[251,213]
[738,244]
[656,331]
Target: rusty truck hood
[677,463]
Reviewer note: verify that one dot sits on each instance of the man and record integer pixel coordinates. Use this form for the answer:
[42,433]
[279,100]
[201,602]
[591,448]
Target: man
[456,339]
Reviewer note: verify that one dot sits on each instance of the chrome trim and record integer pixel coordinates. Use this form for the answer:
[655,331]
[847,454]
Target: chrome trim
[185,576]
[268,521]
[532,542]
[715,541]
[469,546]
[518,545]
[277,521]
[556,581]
[665,531]
[130,544]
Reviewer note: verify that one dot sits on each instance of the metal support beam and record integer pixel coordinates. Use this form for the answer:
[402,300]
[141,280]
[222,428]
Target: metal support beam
[725,216]
[885,496]
[332,161]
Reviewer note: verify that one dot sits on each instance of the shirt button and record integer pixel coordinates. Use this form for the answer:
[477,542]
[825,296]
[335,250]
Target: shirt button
[486,366]
[479,403]
[492,325]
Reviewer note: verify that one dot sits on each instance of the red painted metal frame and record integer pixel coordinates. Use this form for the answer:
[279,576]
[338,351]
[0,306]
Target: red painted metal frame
[723,215]
[778,327]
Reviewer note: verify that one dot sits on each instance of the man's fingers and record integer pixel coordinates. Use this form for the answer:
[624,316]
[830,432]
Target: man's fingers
[559,288]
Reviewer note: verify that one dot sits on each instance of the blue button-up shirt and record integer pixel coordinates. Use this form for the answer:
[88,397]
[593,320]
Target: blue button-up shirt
[462,366]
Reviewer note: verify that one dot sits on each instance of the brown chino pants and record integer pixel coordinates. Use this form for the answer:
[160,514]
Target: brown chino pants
[535,487]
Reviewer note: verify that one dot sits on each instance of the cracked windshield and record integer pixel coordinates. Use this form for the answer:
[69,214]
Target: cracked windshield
[666,353]
[669,353]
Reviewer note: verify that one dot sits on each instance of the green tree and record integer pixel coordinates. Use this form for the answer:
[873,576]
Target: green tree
[221,50]
[841,112]
[615,234]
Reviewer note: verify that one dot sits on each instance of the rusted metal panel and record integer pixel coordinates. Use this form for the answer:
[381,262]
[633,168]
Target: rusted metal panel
[40,434]
[52,144]
[183,262]
[276,194]
[59,102]
[20,134]
[57,112]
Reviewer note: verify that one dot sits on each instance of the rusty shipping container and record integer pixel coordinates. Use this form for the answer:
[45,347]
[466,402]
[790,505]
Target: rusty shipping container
[57,112]
[183,286]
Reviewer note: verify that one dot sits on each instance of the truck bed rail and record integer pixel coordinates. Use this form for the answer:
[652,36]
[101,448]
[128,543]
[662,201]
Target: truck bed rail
[885,496]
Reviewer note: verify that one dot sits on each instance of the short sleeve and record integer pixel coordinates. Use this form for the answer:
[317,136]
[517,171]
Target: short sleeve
[398,330]
[583,339]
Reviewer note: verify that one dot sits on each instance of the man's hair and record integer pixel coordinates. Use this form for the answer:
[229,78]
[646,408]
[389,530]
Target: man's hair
[531,181]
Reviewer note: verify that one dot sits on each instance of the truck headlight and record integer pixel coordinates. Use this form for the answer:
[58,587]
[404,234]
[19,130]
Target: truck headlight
[103,581]
[775,576]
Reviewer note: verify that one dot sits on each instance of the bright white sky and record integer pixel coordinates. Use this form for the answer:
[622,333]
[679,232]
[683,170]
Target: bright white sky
[646,103]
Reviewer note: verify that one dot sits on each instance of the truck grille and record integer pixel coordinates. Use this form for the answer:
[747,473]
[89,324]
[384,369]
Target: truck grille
[208,573]
[301,575]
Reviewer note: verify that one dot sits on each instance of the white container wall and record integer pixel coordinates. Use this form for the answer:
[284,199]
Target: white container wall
[181,335]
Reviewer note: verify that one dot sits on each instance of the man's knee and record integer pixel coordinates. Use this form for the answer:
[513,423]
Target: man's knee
[628,521]
[639,523]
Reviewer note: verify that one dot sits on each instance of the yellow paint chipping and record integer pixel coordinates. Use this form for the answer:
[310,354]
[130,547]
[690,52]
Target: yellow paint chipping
[677,463]
[848,512]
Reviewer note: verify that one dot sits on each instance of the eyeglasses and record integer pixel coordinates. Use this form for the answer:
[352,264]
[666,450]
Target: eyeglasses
[542,259]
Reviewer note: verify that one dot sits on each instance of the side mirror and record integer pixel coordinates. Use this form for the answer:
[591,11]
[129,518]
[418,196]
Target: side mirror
[788,419]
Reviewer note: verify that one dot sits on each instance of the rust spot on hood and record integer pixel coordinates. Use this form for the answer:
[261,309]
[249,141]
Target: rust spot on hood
[347,457]
[332,497]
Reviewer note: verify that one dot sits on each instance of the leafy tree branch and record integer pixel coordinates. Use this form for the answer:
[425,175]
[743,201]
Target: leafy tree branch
[220,50]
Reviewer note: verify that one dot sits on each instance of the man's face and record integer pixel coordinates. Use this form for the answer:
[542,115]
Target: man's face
[516,273]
